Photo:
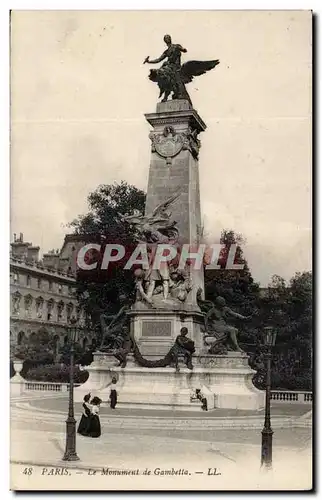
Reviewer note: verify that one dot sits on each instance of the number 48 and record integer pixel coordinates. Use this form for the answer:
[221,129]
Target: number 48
[28,471]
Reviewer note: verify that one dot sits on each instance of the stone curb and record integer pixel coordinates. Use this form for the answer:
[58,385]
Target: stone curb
[194,416]
[78,465]
[168,422]
[183,425]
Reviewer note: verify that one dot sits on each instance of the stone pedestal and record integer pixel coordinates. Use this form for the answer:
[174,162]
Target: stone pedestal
[17,381]
[225,381]
[155,331]
[99,375]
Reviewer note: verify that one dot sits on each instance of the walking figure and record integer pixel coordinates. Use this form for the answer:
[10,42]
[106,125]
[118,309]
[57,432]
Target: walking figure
[113,394]
[83,426]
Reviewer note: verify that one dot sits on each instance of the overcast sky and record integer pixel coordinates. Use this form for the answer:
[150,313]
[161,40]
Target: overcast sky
[79,93]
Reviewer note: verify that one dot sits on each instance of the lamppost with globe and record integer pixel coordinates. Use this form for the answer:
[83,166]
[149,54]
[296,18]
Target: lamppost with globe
[70,454]
[267,432]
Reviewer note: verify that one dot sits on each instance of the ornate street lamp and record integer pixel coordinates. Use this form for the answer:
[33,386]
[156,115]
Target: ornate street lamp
[70,450]
[267,432]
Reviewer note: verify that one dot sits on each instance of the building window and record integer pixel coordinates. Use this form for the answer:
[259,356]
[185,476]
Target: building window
[50,305]
[28,304]
[50,286]
[69,312]
[16,298]
[39,307]
[78,312]
[56,344]
[14,278]
[60,309]
[39,283]
[21,338]
[28,280]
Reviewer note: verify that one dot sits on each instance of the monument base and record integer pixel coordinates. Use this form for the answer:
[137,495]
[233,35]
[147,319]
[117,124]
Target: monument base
[225,381]
[155,331]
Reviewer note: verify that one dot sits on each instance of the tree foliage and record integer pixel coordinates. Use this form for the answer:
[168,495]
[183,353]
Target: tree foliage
[296,332]
[287,308]
[99,290]
[56,373]
[238,287]
[65,351]
[38,349]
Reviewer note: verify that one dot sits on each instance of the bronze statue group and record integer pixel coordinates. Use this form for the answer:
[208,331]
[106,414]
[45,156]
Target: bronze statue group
[173,76]
[218,335]
[90,425]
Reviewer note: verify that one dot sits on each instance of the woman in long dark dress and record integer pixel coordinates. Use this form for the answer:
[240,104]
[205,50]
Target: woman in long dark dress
[94,430]
[85,420]
[113,394]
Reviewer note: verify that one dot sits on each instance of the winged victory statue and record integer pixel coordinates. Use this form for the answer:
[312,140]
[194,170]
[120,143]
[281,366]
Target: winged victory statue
[153,229]
[173,76]
[156,227]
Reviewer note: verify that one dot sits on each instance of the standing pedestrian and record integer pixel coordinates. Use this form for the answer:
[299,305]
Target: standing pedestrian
[85,420]
[113,393]
[94,430]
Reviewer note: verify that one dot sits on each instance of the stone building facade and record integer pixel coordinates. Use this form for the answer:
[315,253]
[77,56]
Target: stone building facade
[42,294]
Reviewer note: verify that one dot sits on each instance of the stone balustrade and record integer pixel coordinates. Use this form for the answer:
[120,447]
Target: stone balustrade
[299,397]
[47,386]
[277,396]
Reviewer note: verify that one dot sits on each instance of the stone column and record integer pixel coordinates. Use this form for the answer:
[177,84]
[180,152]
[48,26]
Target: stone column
[173,169]
[174,166]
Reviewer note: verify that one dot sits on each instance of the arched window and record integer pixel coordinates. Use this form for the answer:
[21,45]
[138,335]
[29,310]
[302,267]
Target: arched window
[60,310]
[56,339]
[85,342]
[28,280]
[78,312]
[66,339]
[32,338]
[15,278]
[28,304]
[56,344]
[69,310]
[21,338]
[50,306]
[39,307]
[15,303]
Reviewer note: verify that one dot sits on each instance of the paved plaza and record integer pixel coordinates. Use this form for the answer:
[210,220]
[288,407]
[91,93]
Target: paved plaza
[211,456]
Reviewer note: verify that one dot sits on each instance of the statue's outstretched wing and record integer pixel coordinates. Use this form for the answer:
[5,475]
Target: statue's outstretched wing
[160,209]
[196,68]
[135,218]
